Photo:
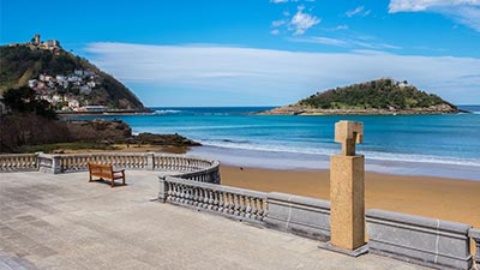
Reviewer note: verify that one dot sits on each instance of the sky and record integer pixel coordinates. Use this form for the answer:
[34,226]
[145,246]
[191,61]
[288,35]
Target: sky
[261,52]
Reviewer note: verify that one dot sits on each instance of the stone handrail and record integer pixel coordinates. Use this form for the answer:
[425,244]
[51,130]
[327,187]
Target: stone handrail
[236,203]
[18,162]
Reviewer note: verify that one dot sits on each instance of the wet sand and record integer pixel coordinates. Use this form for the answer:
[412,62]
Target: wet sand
[443,198]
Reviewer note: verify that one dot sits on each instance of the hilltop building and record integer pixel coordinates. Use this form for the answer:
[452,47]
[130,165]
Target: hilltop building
[46,45]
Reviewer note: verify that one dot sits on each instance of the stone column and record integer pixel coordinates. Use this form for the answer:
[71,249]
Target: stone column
[347,192]
[475,235]
[163,189]
[56,166]
[150,161]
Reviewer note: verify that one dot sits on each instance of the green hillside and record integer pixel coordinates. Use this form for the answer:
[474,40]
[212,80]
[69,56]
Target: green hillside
[378,94]
[23,62]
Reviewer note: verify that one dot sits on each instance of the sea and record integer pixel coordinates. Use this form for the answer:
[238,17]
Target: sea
[428,145]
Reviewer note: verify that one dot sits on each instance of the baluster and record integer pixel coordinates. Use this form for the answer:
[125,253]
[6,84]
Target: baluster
[242,205]
[261,211]
[216,203]
[248,210]
[182,194]
[220,201]
[170,192]
[132,162]
[189,196]
[226,203]
[195,196]
[201,197]
[178,193]
[236,211]
[206,200]
[254,210]
[211,200]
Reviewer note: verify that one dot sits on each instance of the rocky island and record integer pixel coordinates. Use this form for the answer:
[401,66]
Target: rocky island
[382,96]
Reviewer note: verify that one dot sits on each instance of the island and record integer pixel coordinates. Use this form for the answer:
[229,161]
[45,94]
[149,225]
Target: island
[383,96]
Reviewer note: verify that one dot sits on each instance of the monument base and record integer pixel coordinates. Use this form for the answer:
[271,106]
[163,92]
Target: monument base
[352,253]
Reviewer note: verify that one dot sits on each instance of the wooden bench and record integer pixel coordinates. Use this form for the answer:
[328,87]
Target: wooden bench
[106,172]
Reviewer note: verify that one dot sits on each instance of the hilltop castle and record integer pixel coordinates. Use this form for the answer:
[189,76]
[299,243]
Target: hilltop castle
[47,45]
[36,43]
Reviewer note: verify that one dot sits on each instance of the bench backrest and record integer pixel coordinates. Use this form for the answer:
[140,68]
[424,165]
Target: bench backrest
[105,170]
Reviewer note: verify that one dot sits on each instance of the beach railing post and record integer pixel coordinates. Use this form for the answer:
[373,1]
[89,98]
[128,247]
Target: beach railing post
[150,161]
[347,192]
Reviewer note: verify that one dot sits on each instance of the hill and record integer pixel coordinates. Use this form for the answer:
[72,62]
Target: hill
[382,96]
[67,81]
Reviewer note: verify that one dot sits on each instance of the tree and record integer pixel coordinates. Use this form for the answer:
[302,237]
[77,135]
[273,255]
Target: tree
[23,100]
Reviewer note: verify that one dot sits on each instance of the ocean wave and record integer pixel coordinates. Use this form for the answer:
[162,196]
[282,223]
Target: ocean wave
[326,150]
[163,112]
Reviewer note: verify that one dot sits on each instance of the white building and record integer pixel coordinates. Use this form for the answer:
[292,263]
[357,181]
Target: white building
[73,103]
[85,89]
[32,83]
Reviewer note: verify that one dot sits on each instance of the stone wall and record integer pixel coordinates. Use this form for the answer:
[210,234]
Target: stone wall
[426,241]
[304,216]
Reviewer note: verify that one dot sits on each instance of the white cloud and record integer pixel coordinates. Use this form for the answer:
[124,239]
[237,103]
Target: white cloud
[341,27]
[320,40]
[346,43]
[466,12]
[301,21]
[278,1]
[422,5]
[280,76]
[358,11]
[278,23]
[275,32]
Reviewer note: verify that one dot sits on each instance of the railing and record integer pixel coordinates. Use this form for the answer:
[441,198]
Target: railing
[240,204]
[21,162]
[185,167]
[80,162]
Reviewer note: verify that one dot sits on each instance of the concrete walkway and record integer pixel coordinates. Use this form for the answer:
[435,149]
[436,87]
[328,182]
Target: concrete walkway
[63,222]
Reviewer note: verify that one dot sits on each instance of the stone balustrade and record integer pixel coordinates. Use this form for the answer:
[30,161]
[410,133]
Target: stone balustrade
[186,167]
[121,160]
[236,203]
[431,242]
[19,162]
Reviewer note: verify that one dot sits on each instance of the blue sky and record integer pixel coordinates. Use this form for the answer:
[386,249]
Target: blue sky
[261,52]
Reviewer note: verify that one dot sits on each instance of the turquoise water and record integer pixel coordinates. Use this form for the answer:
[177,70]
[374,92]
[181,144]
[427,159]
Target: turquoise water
[436,145]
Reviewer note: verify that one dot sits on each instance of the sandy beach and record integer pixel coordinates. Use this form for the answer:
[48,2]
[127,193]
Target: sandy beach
[443,198]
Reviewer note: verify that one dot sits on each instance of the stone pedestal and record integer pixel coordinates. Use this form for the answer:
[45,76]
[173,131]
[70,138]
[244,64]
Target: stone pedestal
[347,193]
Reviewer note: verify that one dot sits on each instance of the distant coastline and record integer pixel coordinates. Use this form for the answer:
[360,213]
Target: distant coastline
[106,112]
[293,110]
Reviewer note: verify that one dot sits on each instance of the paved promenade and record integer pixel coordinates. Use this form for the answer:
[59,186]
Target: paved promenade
[63,222]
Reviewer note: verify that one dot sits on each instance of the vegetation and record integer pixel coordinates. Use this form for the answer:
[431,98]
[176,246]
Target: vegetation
[377,94]
[23,100]
[20,63]
[61,147]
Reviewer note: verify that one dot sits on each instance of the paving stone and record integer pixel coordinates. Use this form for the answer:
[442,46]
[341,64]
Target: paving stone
[81,225]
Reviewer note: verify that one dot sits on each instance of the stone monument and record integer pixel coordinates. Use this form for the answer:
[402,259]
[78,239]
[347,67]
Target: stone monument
[347,192]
